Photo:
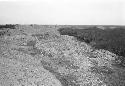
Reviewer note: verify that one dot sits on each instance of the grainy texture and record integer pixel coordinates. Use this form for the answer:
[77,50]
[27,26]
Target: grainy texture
[40,56]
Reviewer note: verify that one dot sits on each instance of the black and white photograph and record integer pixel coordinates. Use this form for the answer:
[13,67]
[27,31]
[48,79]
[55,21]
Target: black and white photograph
[62,42]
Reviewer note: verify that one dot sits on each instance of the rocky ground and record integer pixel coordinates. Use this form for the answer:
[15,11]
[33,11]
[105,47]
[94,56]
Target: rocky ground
[40,56]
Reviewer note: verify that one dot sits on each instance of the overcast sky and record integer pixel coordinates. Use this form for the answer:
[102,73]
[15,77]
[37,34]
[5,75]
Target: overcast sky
[103,12]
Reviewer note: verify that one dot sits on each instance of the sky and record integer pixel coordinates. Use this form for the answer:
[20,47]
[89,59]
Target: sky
[63,12]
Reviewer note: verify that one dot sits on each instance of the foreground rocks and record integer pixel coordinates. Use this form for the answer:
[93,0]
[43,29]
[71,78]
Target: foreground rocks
[50,59]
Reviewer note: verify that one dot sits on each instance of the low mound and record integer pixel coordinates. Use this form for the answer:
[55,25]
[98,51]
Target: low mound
[107,37]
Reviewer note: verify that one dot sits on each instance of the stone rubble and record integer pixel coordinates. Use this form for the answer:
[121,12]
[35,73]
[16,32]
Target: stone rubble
[55,60]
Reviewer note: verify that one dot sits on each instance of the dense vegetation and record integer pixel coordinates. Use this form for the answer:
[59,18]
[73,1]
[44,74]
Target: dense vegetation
[112,40]
[4,29]
[11,26]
